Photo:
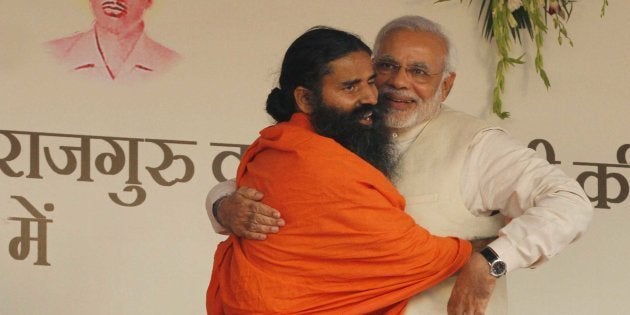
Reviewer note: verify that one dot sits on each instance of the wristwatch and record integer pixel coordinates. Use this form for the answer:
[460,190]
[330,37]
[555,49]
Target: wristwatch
[498,267]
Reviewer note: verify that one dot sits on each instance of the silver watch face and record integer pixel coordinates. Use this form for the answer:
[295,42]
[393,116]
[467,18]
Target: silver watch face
[498,268]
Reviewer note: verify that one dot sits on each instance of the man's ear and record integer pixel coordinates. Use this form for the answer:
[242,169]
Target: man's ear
[303,98]
[447,85]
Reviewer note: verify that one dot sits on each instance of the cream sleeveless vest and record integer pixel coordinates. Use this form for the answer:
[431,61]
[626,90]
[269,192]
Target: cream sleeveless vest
[429,176]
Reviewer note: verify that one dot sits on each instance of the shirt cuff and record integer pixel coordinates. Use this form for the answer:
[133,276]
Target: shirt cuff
[506,251]
[219,190]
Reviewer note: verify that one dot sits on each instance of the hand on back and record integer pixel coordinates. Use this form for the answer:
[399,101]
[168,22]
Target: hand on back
[243,214]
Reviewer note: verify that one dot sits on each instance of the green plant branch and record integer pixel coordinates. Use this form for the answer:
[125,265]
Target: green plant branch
[504,25]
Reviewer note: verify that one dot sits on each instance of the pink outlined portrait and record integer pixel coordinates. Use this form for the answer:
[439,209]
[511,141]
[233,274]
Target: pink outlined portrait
[117,47]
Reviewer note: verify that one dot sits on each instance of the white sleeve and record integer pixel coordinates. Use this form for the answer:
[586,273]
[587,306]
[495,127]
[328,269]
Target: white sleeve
[219,190]
[546,209]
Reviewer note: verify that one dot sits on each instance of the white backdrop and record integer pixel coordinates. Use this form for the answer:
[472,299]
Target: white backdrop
[155,257]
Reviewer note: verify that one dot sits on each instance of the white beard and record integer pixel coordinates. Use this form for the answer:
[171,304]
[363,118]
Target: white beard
[424,110]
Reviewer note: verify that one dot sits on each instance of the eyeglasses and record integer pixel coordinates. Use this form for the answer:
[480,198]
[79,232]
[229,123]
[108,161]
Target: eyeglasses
[418,73]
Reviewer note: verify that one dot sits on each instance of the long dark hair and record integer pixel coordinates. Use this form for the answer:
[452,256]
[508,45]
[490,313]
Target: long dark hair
[306,62]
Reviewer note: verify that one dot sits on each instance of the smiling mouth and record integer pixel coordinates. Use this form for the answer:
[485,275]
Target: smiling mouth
[394,99]
[366,119]
[114,9]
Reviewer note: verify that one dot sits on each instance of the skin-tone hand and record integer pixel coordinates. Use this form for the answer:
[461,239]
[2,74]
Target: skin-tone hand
[479,244]
[473,288]
[243,214]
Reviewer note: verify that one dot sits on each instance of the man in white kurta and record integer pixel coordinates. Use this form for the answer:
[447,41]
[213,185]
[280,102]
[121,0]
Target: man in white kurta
[460,176]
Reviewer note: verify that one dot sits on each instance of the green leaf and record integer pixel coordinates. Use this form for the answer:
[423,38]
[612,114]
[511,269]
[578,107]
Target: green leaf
[543,76]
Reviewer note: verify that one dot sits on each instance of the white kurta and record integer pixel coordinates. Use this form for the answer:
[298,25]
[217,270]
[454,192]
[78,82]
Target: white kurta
[429,170]
[462,177]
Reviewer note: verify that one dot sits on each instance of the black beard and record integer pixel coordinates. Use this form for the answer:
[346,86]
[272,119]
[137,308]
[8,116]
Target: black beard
[371,143]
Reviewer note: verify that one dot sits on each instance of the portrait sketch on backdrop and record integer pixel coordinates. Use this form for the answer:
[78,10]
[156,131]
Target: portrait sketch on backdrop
[116,47]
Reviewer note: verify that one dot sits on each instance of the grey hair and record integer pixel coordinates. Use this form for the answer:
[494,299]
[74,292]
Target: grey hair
[418,24]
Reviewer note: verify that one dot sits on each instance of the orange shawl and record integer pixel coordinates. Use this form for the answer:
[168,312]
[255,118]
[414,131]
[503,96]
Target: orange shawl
[347,248]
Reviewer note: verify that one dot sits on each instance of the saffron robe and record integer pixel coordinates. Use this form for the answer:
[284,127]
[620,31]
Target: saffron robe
[348,246]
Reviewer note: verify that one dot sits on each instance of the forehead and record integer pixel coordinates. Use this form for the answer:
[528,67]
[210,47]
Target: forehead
[413,46]
[355,65]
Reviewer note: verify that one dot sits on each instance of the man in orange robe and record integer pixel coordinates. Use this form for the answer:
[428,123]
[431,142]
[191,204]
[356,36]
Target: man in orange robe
[350,247]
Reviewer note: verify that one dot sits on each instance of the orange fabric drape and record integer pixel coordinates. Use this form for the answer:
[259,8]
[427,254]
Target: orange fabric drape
[347,248]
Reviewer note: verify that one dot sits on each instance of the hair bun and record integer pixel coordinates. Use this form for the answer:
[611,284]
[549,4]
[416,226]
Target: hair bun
[277,107]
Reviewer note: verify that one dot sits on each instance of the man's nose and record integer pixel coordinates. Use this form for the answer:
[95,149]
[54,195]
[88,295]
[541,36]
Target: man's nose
[369,95]
[399,79]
